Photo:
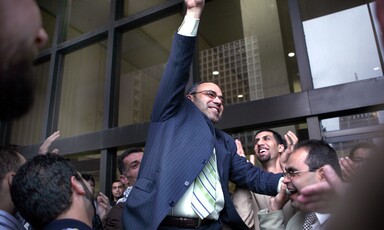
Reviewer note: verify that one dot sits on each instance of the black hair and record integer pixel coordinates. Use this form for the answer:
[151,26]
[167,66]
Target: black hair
[120,160]
[41,189]
[320,153]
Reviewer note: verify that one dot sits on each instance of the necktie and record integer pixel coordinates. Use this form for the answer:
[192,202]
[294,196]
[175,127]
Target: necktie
[310,219]
[204,190]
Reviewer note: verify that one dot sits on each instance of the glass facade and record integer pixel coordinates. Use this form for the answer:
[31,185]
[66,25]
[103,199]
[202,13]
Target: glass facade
[279,63]
[28,129]
[342,45]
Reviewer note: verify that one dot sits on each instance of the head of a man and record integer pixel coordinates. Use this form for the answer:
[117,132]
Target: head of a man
[208,98]
[10,161]
[117,189]
[305,166]
[362,153]
[47,187]
[268,145]
[129,165]
[21,37]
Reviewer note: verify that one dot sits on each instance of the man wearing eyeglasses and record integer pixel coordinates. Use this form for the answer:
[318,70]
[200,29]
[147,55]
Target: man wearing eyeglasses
[185,155]
[304,167]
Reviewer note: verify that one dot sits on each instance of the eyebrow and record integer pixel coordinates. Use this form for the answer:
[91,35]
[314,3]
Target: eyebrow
[291,169]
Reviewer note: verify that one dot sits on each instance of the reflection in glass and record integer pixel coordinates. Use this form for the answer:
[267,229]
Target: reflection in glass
[341,47]
[353,121]
[82,93]
[144,53]
[85,16]
[242,49]
[28,129]
[135,6]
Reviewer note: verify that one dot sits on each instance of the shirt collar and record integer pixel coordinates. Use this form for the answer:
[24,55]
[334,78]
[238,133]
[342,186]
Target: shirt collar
[322,217]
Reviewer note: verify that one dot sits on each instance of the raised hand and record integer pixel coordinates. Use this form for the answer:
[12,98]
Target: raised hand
[291,140]
[348,169]
[44,148]
[240,149]
[103,205]
[194,8]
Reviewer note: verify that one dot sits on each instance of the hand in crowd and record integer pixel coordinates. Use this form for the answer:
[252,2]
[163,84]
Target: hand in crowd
[291,140]
[277,202]
[240,149]
[323,196]
[44,148]
[103,205]
[348,169]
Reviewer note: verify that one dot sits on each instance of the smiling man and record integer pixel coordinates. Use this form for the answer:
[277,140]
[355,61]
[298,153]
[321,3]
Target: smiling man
[188,162]
[304,167]
[269,147]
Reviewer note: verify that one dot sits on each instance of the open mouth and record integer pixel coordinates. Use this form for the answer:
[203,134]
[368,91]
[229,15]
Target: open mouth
[263,149]
[290,191]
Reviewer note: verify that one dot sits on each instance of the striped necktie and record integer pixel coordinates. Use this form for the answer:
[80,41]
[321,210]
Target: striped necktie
[204,190]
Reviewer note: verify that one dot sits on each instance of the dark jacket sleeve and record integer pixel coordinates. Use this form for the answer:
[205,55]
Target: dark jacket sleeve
[113,219]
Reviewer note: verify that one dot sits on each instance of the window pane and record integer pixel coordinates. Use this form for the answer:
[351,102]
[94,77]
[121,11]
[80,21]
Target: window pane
[243,49]
[82,92]
[85,16]
[353,121]
[28,129]
[135,6]
[345,132]
[341,46]
[144,53]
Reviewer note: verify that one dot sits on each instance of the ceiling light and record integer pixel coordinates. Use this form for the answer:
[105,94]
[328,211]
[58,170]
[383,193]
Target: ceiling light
[215,72]
[240,96]
[291,54]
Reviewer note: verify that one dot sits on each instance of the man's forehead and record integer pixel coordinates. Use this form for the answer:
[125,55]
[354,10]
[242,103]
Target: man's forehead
[297,157]
[134,156]
[209,86]
[263,134]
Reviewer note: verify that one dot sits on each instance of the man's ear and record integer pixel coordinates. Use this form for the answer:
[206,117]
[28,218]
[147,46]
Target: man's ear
[9,177]
[189,96]
[281,148]
[321,173]
[77,186]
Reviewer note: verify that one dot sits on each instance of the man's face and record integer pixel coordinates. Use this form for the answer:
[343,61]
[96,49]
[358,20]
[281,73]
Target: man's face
[298,174]
[117,189]
[132,165]
[361,156]
[22,36]
[212,107]
[266,147]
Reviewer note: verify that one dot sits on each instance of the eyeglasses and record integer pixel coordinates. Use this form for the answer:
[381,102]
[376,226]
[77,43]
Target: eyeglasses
[290,174]
[211,94]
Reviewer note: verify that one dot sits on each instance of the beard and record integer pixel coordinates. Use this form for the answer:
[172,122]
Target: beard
[263,159]
[16,84]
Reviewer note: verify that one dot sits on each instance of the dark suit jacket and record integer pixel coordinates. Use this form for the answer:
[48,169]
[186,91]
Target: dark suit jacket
[179,143]
[113,219]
